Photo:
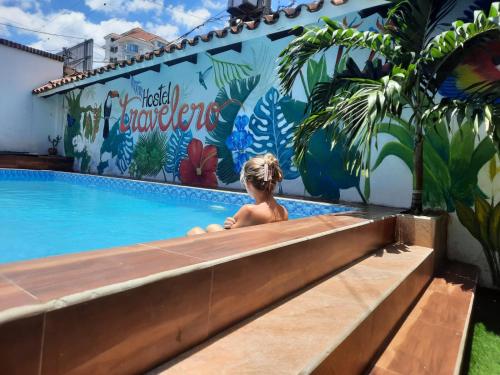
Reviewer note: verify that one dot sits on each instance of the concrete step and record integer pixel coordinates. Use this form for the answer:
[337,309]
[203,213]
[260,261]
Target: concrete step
[432,338]
[336,326]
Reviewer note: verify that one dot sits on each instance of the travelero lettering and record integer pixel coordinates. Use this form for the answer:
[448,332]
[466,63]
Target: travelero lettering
[162,109]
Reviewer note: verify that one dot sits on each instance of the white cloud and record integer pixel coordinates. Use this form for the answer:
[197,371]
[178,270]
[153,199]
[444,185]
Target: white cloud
[215,4]
[188,17]
[125,6]
[167,32]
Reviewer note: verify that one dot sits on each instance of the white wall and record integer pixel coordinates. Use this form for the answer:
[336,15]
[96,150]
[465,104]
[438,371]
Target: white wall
[26,120]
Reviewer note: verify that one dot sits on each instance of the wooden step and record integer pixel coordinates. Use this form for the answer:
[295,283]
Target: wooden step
[432,338]
[126,310]
[335,326]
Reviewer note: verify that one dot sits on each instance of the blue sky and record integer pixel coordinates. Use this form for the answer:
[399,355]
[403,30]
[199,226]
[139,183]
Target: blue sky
[81,19]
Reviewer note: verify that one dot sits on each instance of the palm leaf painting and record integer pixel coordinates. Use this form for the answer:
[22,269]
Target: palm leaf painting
[230,102]
[150,154]
[119,145]
[451,164]
[226,72]
[273,132]
[177,150]
[483,222]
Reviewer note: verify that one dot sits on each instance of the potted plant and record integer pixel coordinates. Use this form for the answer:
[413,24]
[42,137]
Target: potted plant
[54,142]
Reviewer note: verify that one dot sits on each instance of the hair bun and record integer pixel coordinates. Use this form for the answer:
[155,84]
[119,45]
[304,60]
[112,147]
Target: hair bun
[274,165]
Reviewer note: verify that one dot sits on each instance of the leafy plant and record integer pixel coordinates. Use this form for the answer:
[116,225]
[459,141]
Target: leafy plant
[273,132]
[323,170]
[229,104]
[451,163]
[150,154]
[177,150]
[355,106]
[119,145]
[483,222]
[225,72]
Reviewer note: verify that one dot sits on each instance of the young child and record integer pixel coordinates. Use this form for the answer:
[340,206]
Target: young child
[259,175]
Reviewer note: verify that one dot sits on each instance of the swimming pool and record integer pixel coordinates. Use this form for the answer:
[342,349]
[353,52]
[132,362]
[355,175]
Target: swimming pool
[45,213]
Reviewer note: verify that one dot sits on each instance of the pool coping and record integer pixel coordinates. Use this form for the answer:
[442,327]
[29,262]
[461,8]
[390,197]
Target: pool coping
[26,310]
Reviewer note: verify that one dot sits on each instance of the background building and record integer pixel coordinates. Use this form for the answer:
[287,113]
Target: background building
[136,41]
[27,120]
[79,57]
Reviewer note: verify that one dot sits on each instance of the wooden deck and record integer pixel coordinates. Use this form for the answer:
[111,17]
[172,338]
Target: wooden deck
[34,161]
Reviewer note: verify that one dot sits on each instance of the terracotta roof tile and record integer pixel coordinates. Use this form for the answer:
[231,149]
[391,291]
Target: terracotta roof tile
[35,51]
[235,29]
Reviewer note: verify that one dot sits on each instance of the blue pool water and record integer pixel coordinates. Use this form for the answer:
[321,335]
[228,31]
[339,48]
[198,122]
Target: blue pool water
[50,213]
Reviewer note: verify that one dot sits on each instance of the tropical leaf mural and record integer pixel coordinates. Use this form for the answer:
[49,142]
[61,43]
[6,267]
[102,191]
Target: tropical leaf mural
[177,150]
[73,119]
[229,101]
[483,222]
[451,163]
[119,145]
[273,132]
[150,155]
[323,169]
[225,72]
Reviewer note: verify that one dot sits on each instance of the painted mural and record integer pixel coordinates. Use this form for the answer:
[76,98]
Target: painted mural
[197,124]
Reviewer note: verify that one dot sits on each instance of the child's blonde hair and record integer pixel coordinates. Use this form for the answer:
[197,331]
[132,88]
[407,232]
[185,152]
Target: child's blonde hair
[263,172]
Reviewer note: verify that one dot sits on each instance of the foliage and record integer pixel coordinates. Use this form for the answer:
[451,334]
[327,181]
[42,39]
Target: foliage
[177,150]
[54,141]
[150,154]
[73,118]
[323,171]
[483,222]
[119,145]
[356,105]
[451,164]
[229,103]
[273,132]
[226,72]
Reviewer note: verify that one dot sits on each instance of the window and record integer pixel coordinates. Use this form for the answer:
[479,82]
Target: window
[114,49]
[113,59]
[132,48]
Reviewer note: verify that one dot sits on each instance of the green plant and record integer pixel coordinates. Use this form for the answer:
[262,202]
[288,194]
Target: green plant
[483,222]
[356,106]
[451,162]
[150,155]
[54,141]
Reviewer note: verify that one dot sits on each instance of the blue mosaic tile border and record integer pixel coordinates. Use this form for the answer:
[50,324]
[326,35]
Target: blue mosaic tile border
[296,207]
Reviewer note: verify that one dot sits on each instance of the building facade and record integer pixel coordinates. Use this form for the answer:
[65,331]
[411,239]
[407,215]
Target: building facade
[134,42]
[27,120]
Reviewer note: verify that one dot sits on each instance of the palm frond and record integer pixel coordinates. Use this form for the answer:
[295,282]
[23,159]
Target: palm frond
[316,39]
[413,22]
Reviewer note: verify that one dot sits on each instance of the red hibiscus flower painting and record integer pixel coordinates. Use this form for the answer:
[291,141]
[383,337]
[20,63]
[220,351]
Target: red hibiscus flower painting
[199,167]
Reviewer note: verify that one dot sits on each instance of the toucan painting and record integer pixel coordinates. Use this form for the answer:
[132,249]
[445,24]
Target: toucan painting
[107,112]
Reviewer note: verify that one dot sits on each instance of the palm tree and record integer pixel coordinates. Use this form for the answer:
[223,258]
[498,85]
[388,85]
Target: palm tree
[418,56]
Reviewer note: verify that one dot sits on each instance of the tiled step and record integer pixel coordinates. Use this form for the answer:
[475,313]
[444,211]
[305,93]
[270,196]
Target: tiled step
[333,327]
[126,310]
[432,338]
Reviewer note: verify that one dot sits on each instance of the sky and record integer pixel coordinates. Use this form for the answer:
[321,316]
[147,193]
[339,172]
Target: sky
[78,20]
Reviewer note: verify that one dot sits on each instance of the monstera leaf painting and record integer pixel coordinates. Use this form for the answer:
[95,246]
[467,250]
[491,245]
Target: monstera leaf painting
[119,145]
[323,169]
[177,150]
[230,103]
[273,131]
